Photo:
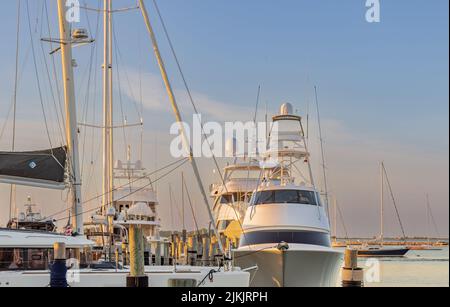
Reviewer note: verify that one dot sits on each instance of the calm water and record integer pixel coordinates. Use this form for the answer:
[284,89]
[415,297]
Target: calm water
[418,269]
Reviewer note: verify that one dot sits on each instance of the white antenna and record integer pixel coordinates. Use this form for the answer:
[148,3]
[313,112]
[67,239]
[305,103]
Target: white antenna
[325,182]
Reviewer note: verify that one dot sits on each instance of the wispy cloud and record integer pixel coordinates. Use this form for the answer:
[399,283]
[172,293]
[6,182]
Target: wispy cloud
[154,97]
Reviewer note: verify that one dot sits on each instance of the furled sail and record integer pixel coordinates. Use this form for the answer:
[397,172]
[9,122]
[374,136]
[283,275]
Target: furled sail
[44,169]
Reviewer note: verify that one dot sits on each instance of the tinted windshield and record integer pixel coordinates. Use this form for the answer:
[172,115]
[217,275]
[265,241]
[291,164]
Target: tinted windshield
[284,197]
[234,197]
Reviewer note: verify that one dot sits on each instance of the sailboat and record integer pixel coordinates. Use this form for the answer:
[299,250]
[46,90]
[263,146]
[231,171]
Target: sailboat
[382,250]
[25,255]
[429,246]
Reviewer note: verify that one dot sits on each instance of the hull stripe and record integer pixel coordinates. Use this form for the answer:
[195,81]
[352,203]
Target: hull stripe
[293,237]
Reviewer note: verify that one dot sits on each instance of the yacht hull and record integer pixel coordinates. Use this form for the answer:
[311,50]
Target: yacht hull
[383,252]
[295,267]
[158,277]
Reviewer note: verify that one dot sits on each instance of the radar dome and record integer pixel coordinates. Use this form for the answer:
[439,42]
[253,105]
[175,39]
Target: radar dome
[286,109]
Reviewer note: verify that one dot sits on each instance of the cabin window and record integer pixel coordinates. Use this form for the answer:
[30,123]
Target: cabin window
[226,199]
[29,259]
[23,259]
[284,197]
[232,198]
[223,225]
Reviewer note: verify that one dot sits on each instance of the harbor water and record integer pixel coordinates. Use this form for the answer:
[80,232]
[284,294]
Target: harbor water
[421,268]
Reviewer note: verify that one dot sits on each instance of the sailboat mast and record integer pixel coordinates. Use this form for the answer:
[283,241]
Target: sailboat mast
[71,118]
[107,188]
[428,219]
[111,100]
[179,119]
[382,203]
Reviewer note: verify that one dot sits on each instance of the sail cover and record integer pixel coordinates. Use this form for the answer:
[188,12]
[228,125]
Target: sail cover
[35,168]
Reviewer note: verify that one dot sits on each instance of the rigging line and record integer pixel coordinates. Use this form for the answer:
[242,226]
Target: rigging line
[134,99]
[125,185]
[55,75]
[191,98]
[308,108]
[192,207]
[124,118]
[172,224]
[394,202]
[88,91]
[141,148]
[325,182]
[256,136]
[16,75]
[49,79]
[12,187]
[182,200]
[173,199]
[132,193]
[341,217]
[94,109]
[257,104]
[37,75]
[430,212]
[2,131]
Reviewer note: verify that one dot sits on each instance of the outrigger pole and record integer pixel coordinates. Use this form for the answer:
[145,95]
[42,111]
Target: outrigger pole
[179,119]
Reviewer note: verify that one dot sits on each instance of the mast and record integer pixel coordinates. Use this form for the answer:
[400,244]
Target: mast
[176,110]
[111,108]
[71,119]
[107,186]
[428,219]
[335,219]
[12,192]
[382,203]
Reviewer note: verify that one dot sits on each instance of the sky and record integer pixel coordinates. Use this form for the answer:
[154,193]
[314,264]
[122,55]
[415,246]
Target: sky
[383,92]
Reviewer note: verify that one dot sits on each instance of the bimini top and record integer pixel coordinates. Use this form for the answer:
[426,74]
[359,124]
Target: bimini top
[11,238]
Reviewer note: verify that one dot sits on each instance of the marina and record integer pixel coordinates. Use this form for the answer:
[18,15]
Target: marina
[129,160]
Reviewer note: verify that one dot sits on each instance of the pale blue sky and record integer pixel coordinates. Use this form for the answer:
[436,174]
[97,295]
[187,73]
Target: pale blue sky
[383,83]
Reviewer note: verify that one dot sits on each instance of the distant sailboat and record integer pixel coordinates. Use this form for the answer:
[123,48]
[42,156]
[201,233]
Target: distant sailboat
[381,250]
[430,220]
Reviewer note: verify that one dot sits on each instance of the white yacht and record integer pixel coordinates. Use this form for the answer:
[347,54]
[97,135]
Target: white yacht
[31,219]
[231,198]
[129,177]
[286,230]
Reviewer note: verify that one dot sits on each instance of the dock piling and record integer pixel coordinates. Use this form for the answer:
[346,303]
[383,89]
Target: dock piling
[137,277]
[352,275]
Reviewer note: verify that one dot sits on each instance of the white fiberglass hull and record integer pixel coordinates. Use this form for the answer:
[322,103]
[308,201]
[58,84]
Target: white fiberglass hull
[158,277]
[299,266]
